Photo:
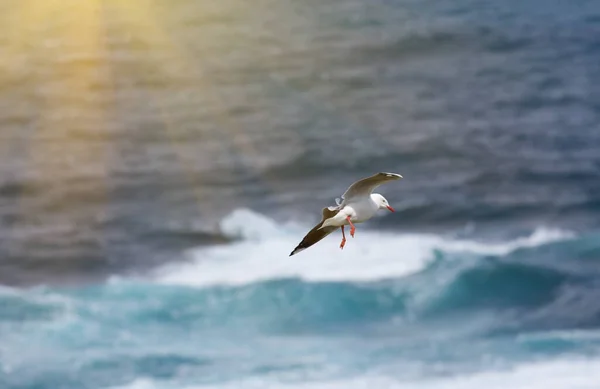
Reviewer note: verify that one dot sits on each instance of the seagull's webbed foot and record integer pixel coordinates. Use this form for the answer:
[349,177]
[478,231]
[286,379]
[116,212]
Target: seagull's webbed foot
[352,228]
[343,239]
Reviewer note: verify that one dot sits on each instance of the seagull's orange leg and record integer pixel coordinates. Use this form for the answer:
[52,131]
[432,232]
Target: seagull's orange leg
[343,238]
[352,228]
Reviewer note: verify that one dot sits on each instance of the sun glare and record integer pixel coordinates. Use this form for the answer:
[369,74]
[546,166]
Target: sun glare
[142,19]
[69,44]
[66,43]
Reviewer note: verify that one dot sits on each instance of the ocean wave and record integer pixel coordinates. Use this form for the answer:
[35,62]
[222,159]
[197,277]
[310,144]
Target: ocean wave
[378,278]
[193,322]
[554,374]
[495,284]
[463,282]
[262,254]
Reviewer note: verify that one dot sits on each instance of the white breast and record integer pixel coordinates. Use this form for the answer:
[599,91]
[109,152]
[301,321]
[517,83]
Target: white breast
[363,210]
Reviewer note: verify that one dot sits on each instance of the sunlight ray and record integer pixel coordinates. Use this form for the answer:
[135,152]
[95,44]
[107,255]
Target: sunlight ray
[68,41]
[70,141]
[140,18]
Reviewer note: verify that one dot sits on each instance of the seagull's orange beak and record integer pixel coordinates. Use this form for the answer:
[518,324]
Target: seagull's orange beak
[391,209]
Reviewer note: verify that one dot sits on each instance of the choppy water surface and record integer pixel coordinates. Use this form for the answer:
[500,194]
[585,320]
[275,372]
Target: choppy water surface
[158,162]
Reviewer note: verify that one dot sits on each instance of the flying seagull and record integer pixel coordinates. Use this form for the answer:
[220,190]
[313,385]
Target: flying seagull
[358,204]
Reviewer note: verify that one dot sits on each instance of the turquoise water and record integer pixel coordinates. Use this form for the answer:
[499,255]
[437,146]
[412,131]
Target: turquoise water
[393,309]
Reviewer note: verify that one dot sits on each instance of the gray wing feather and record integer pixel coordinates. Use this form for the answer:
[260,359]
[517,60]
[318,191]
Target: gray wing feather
[366,186]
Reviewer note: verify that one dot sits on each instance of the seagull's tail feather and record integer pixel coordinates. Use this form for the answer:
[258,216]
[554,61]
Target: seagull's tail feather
[317,233]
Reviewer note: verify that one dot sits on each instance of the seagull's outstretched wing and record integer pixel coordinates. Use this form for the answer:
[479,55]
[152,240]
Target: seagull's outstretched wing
[364,187]
[317,234]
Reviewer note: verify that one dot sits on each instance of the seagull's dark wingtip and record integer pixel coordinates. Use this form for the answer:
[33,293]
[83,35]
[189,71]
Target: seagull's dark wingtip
[296,250]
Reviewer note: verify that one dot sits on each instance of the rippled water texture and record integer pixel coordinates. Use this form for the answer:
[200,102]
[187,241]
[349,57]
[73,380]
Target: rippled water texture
[159,161]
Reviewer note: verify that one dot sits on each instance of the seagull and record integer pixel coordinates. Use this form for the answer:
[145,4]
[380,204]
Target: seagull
[358,204]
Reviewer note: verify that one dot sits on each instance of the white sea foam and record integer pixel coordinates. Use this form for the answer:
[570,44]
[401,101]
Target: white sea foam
[263,249]
[556,374]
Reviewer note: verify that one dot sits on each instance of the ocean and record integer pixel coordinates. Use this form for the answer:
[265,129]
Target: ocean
[160,160]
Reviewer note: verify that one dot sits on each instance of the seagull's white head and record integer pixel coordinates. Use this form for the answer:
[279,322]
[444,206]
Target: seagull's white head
[381,202]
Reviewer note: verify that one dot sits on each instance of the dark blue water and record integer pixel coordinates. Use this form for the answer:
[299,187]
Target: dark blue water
[159,161]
